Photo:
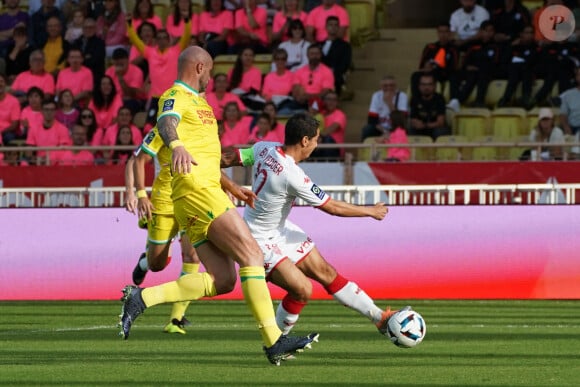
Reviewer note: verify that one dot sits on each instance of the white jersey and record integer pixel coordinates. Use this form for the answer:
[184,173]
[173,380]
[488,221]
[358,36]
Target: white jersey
[465,24]
[278,181]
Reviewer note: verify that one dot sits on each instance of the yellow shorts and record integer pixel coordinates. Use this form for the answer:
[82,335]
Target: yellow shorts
[161,229]
[195,212]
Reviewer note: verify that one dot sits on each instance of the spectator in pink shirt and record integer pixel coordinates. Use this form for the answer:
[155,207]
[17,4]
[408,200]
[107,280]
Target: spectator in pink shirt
[111,27]
[277,127]
[124,118]
[162,59]
[31,115]
[124,138]
[245,78]
[236,128]
[76,78]
[220,96]
[66,112]
[36,76]
[397,135]
[334,126]
[128,80]
[316,22]
[143,12]
[88,120]
[312,81]
[278,84]
[75,157]
[106,102]
[9,113]
[251,28]
[178,18]
[146,33]
[49,133]
[263,131]
[281,23]
[216,24]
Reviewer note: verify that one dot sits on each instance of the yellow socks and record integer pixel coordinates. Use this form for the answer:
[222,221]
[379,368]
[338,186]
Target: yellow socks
[179,308]
[257,296]
[187,287]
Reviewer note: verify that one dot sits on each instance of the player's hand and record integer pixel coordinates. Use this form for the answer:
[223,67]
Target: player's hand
[145,208]
[379,211]
[181,160]
[131,202]
[246,195]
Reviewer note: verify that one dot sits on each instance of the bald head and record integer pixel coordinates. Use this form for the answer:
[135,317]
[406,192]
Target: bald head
[191,56]
[194,67]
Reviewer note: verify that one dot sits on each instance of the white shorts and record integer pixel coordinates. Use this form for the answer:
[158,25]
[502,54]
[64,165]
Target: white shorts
[290,243]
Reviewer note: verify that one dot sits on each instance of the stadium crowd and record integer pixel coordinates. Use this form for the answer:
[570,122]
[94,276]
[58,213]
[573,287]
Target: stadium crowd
[91,72]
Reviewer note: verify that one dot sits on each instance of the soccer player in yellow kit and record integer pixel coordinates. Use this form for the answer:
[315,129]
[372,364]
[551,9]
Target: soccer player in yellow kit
[162,226]
[156,215]
[188,127]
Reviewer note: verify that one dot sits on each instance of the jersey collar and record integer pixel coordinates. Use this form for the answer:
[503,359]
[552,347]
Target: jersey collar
[186,87]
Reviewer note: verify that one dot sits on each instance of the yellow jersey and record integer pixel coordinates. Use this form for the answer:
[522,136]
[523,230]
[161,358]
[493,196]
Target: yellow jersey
[161,190]
[198,131]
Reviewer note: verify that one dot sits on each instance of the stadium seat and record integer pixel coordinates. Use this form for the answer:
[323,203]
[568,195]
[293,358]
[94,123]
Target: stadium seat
[263,62]
[515,152]
[421,154]
[223,63]
[451,153]
[367,154]
[161,10]
[362,20]
[495,91]
[508,123]
[197,6]
[484,153]
[472,122]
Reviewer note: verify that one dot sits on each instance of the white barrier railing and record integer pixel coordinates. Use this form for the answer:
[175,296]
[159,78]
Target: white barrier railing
[480,194]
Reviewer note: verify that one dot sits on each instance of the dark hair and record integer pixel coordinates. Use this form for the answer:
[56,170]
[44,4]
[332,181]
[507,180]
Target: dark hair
[314,45]
[293,24]
[146,24]
[398,119]
[484,24]
[49,102]
[177,14]
[444,24]
[99,99]
[238,70]
[279,51]
[208,5]
[59,103]
[332,18]
[136,9]
[118,153]
[35,90]
[299,126]
[19,30]
[120,53]
[92,128]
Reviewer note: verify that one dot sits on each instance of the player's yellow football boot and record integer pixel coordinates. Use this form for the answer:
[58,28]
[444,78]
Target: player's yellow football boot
[174,326]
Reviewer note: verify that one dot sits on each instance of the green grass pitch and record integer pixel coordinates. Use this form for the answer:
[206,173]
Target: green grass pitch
[468,343]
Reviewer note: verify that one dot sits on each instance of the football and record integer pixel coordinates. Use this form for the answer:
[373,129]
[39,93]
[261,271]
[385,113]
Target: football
[406,328]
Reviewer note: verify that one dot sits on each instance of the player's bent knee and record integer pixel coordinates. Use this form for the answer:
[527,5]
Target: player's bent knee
[225,285]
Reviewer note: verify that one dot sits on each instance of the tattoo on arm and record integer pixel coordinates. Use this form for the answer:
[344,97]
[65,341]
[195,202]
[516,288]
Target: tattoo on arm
[167,127]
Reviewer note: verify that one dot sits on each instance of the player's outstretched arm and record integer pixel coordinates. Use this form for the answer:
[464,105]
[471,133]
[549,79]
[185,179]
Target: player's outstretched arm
[181,160]
[130,198]
[238,192]
[344,209]
[144,206]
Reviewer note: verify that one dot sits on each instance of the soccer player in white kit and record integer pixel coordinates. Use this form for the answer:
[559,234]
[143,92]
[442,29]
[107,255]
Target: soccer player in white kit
[290,255]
